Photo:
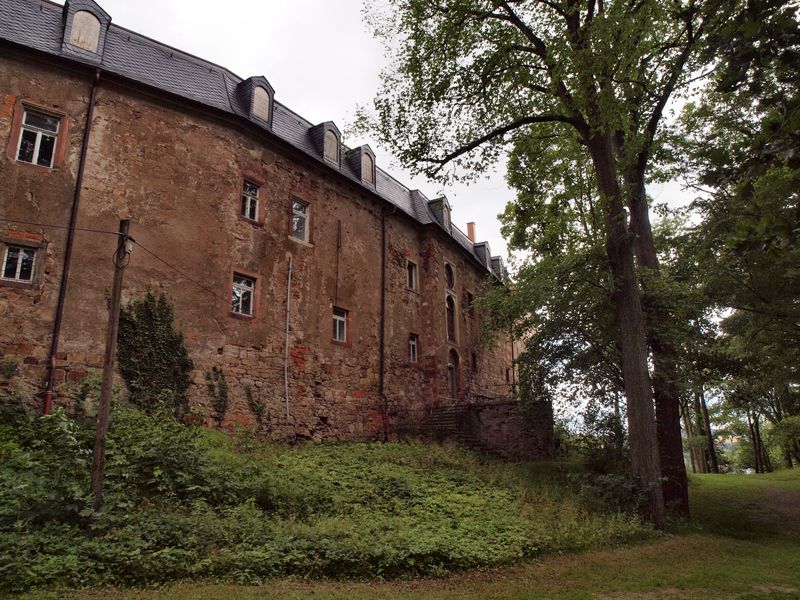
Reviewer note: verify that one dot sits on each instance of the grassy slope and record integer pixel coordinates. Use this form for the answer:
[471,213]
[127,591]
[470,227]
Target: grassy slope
[745,543]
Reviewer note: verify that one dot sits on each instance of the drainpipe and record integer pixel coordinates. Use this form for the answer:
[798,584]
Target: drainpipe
[382,333]
[73,219]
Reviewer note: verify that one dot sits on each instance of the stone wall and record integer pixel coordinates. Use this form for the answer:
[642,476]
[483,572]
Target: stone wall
[512,431]
[177,174]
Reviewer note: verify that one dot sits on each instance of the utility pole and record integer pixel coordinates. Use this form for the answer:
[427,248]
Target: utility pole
[99,457]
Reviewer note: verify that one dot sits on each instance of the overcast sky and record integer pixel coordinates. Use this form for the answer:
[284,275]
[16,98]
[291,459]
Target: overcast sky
[323,62]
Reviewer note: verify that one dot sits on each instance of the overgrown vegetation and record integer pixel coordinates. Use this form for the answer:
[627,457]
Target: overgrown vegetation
[217,387]
[187,502]
[151,355]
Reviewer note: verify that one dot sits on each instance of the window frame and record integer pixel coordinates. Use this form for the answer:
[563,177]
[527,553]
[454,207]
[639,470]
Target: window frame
[413,348]
[344,320]
[412,276]
[249,198]
[32,241]
[452,285]
[17,127]
[307,217]
[255,290]
[454,338]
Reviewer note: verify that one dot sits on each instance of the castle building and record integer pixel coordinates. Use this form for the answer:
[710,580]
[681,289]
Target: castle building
[300,269]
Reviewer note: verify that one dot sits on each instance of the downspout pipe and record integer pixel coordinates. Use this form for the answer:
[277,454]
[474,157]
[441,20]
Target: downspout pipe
[382,334]
[73,220]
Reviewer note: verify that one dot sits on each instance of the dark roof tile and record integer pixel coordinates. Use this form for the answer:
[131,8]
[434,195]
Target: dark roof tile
[37,24]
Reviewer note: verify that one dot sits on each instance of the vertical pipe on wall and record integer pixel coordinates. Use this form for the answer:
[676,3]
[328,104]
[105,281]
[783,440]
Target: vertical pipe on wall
[286,349]
[73,219]
[382,333]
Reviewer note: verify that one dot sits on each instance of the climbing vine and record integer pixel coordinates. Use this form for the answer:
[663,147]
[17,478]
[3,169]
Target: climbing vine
[218,390]
[152,356]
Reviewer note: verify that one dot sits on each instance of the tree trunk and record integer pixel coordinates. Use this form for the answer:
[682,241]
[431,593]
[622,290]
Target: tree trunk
[630,323]
[787,459]
[687,425]
[712,451]
[701,452]
[766,463]
[665,363]
[756,448]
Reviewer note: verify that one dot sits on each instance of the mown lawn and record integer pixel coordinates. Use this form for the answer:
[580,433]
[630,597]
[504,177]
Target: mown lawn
[744,543]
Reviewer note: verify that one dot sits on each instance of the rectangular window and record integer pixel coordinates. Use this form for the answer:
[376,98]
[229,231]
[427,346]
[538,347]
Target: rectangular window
[339,325]
[18,264]
[300,220]
[412,277]
[37,138]
[250,200]
[413,347]
[242,295]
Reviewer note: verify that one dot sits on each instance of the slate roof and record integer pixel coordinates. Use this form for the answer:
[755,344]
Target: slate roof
[39,24]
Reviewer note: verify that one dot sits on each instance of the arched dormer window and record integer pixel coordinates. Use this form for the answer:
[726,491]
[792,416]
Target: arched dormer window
[331,146]
[261,103]
[446,216]
[257,98]
[85,29]
[367,169]
[85,32]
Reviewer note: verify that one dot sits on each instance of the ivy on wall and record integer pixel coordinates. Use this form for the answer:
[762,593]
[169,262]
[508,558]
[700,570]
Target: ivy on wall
[152,356]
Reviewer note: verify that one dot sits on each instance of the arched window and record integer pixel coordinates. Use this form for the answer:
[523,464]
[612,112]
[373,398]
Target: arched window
[367,168]
[331,146]
[261,103]
[451,319]
[85,31]
[452,373]
[449,277]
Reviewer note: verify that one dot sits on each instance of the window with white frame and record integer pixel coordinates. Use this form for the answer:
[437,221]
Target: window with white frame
[250,192]
[339,324]
[413,347]
[18,263]
[300,220]
[412,279]
[243,295]
[37,138]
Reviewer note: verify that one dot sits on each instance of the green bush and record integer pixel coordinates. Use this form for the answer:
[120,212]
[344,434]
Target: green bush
[187,502]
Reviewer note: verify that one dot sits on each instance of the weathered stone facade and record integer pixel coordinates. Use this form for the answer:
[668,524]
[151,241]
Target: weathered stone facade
[176,169]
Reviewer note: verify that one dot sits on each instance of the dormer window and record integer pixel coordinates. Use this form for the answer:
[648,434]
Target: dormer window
[85,31]
[331,146]
[261,102]
[367,169]
[446,216]
[257,97]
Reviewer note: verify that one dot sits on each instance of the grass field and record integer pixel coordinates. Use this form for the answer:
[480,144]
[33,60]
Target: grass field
[744,543]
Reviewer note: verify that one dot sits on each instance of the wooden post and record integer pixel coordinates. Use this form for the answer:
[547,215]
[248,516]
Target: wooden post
[99,457]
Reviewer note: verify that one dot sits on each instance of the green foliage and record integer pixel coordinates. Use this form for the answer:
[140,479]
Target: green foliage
[8,369]
[151,355]
[217,387]
[786,433]
[186,502]
[256,404]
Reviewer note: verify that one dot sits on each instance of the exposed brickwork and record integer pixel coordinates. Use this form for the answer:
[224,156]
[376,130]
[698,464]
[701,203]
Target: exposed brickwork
[177,174]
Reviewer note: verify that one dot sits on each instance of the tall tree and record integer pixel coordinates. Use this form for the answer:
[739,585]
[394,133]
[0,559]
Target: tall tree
[471,75]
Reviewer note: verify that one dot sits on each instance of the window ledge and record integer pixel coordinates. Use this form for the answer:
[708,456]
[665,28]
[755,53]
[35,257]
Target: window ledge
[36,167]
[302,243]
[20,285]
[242,317]
[259,224]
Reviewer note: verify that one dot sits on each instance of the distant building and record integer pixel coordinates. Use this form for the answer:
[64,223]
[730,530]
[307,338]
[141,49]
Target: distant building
[234,190]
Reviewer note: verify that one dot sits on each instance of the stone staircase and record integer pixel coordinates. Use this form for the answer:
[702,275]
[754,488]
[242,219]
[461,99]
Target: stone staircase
[446,422]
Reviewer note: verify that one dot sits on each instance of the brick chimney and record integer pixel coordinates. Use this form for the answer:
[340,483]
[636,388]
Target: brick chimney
[471,232]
